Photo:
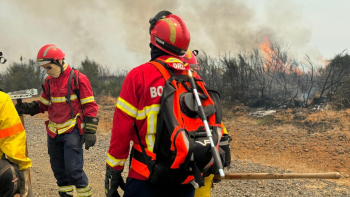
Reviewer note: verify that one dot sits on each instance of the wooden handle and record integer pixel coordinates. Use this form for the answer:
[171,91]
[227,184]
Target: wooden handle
[325,175]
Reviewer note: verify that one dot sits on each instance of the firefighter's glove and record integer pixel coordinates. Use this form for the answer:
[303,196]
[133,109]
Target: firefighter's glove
[225,145]
[113,180]
[89,137]
[28,108]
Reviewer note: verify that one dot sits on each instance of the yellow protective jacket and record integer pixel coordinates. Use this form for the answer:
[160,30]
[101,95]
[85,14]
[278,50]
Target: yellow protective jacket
[12,134]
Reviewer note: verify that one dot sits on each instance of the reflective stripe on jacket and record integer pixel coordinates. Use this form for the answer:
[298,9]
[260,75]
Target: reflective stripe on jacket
[138,103]
[12,134]
[60,120]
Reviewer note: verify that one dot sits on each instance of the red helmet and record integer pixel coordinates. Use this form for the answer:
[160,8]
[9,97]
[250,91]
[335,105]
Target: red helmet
[49,53]
[190,58]
[169,33]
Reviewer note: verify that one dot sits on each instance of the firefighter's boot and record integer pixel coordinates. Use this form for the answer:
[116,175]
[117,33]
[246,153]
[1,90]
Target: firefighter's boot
[64,194]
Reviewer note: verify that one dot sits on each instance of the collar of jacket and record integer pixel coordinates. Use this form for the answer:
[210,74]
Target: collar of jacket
[63,75]
[164,57]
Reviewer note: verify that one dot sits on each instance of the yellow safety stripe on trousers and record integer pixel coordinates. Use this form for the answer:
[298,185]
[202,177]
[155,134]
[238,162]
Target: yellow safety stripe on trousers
[87,100]
[63,127]
[66,188]
[86,191]
[44,101]
[114,162]
[63,99]
[150,112]
[85,194]
[126,107]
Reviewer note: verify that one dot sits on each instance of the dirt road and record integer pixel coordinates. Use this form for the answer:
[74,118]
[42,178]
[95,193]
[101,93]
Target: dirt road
[44,184]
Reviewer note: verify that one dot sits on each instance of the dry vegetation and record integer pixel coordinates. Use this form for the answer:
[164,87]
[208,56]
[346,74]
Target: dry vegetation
[300,140]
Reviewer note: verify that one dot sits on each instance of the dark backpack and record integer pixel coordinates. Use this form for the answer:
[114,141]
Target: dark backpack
[73,83]
[10,179]
[182,147]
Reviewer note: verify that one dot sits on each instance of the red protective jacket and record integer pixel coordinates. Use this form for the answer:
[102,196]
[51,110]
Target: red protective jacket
[139,103]
[59,111]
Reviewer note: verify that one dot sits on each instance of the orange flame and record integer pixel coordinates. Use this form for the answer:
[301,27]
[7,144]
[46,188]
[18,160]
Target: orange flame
[265,47]
[274,63]
[324,62]
[296,70]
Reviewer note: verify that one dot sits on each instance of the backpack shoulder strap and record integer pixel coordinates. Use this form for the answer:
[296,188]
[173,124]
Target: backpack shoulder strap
[47,80]
[161,68]
[68,93]
[46,87]
[75,83]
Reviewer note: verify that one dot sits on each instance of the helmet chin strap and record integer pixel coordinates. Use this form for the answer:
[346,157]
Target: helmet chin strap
[58,64]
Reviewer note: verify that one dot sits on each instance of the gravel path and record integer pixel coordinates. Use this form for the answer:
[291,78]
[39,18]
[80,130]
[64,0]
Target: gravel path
[276,188]
[44,184]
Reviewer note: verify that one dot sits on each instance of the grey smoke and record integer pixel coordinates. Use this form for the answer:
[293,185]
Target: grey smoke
[115,33]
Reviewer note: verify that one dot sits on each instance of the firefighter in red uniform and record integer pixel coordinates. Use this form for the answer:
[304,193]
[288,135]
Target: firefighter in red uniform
[68,98]
[139,104]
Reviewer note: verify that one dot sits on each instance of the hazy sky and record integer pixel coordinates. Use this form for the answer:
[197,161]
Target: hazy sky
[115,33]
[328,21]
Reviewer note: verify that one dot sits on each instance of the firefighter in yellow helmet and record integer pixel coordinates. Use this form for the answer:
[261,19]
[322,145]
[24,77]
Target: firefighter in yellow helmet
[14,165]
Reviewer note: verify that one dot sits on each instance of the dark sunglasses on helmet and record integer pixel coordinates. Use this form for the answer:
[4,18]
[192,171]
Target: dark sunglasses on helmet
[153,20]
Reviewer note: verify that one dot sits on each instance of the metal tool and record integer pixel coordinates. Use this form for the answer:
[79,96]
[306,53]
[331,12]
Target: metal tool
[23,94]
[214,151]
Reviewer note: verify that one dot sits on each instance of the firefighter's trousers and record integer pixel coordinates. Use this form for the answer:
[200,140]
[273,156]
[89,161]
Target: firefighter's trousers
[139,188]
[66,158]
[204,191]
